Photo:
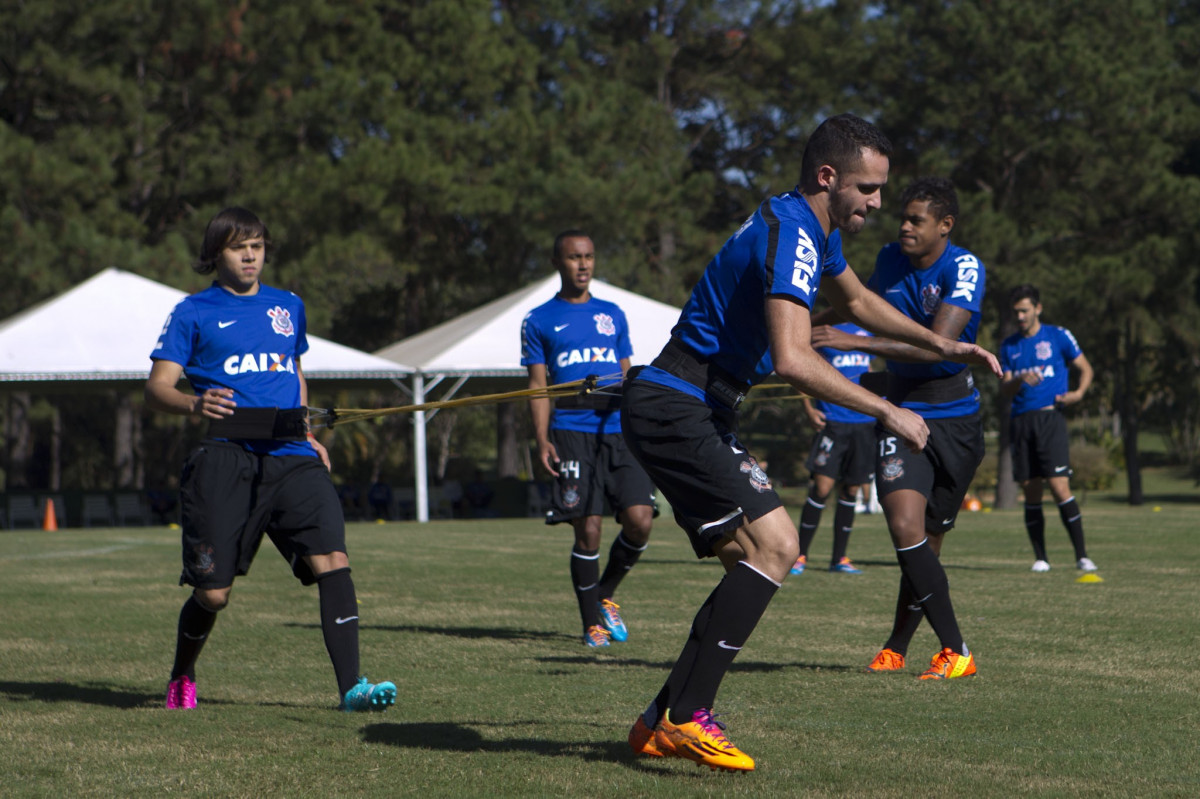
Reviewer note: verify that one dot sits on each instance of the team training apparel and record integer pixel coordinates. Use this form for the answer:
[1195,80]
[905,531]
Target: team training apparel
[247,343]
[957,278]
[1049,351]
[852,365]
[780,250]
[575,341]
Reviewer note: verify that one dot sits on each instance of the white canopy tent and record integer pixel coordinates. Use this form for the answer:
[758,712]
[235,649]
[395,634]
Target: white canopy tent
[103,330]
[486,342]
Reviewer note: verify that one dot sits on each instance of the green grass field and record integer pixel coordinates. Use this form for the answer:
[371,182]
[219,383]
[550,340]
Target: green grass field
[1083,690]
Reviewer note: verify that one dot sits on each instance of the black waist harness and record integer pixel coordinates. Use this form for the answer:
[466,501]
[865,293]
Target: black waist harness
[934,392]
[283,424]
[718,385]
[607,401]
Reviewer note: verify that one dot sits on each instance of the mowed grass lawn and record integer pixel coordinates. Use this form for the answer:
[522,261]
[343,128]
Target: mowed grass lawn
[1083,690]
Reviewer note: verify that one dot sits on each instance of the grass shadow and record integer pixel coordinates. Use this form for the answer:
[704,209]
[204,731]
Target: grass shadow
[493,633]
[748,666]
[86,693]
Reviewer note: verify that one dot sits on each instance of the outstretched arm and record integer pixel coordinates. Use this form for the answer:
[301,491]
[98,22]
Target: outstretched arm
[910,341]
[789,328]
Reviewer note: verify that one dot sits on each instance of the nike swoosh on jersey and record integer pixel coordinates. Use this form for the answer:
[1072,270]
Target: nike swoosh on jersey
[340,620]
[557,328]
[224,325]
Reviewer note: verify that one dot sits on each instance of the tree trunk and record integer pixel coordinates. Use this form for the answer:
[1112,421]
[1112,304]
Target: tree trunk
[124,442]
[20,441]
[1129,413]
[55,481]
[1006,487]
[508,456]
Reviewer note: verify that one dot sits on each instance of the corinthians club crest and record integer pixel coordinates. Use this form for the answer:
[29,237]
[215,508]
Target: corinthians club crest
[281,321]
[604,325]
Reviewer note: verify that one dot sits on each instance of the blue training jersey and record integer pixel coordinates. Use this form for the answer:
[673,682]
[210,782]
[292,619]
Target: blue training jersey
[780,250]
[574,341]
[852,365]
[1049,351]
[247,343]
[957,278]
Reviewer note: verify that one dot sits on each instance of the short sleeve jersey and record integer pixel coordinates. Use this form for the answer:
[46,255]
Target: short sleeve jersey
[247,343]
[957,278]
[852,365]
[1049,351]
[575,341]
[781,250]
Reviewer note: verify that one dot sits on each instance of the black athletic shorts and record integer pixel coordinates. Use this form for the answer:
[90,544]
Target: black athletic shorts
[942,472]
[1040,445]
[230,497]
[593,467]
[692,454]
[844,451]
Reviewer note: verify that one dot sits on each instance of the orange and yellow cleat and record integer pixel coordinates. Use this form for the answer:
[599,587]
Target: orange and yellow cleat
[701,740]
[949,665]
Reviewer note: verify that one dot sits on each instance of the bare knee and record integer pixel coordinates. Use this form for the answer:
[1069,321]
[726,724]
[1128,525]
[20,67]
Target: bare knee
[636,522]
[213,599]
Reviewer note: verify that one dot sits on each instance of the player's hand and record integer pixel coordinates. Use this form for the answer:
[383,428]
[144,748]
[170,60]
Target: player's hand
[548,457]
[816,417]
[962,352]
[215,403]
[1032,377]
[1070,398]
[907,425]
[322,453]
[830,337]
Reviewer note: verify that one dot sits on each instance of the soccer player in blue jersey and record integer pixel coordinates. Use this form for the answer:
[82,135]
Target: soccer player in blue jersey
[1036,361]
[940,286]
[259,470]
[572,337]
[843,452]
[748,316]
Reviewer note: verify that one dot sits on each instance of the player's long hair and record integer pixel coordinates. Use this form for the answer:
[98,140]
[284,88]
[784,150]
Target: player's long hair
[839,142]
[232,225]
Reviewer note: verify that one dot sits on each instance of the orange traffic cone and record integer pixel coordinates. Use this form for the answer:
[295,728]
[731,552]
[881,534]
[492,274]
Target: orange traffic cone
[49,520]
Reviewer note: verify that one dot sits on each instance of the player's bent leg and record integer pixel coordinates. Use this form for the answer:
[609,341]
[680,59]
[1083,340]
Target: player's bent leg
[769,544]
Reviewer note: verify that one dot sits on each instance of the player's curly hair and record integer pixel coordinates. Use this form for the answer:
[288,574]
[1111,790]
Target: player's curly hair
[938,192]
[839,142]
[232,225]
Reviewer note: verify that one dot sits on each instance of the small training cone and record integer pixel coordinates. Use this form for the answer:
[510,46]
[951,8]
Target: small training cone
[49,519]
[1090,577]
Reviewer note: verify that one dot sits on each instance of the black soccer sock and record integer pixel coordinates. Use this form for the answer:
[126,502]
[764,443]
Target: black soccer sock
[585,575]
[195,623]
[907,620]
[1072,519]
[738,604]
[843,525]
[339,624]
[684,663]
[810,519]
[1035,525]
[622,555]
[931,589]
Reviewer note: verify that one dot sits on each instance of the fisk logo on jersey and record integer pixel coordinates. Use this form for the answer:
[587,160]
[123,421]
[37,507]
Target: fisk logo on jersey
[259,362]
[805,266]
[586,355]
[604,325]
[281,321]
[968,278]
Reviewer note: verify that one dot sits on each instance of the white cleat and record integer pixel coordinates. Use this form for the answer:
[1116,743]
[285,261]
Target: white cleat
[1085,565]
[1040,566]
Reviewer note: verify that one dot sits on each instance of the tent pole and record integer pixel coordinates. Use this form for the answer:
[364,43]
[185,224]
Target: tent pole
[420,478]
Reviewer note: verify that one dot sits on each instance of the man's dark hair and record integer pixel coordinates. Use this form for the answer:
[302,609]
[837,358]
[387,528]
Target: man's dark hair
[573,233]
[839,142]
[939,192]
[1025,291]
[232,225]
